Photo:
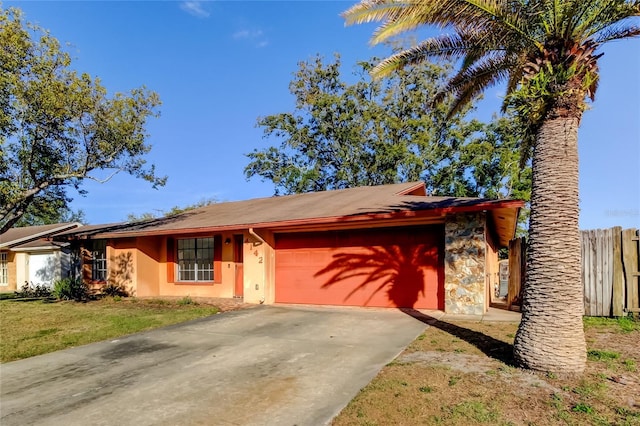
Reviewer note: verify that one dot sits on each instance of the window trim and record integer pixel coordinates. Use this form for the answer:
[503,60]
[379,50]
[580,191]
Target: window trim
[196,260]
[99,261]
[4,269]
[172,259]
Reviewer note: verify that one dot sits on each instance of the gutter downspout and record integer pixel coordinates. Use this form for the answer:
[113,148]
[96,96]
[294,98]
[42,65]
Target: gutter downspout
[259,238]
[253,233]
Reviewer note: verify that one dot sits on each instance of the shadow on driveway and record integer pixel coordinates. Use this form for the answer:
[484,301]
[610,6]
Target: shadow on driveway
[269,365]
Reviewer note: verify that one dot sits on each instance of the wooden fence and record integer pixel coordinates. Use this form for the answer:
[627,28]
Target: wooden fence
[610,271]
[517,270]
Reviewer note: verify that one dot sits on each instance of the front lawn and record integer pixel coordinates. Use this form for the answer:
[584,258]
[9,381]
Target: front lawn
[29,328]
[461,373]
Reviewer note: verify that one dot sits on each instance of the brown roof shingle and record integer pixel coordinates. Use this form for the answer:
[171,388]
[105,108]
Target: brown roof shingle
[361,203]
[26,234]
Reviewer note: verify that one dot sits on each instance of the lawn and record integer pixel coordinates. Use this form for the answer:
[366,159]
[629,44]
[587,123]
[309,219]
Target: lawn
[455,373]
[31,328]
[461,373]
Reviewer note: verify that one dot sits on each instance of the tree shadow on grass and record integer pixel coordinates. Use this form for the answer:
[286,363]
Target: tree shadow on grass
[490,346]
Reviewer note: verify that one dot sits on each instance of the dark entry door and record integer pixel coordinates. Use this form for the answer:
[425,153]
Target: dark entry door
[238,253]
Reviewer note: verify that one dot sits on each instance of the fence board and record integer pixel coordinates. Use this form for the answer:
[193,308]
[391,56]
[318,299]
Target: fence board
[517,257]
[607,277]
[617,297]
[597,271]
[610,271]
[631,267]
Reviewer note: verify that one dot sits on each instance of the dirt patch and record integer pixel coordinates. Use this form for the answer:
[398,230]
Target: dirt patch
[459,373]
[224,304]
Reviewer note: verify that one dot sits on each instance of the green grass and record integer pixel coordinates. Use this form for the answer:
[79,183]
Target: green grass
[621,325]
[37,327]
[447,392]
[601,355]
[463,412]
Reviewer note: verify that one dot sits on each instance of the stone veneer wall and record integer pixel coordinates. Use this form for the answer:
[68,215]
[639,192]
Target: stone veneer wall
[464,270]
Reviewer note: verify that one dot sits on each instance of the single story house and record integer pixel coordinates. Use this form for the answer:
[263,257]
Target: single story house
[383,246]
[28,255]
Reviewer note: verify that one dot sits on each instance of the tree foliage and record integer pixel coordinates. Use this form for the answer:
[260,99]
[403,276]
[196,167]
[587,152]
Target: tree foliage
[58,127]
[369,132]
[546,52]
[175,210]
[47,211]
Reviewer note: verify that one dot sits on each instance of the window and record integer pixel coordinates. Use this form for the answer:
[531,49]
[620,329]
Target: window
[99,260]
[4,269]
[195,259]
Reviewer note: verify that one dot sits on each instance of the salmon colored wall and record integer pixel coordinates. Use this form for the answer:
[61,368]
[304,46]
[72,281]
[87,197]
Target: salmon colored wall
[12,279]
[224,270]
[122,257]
[148,266]
[492,268]
[259,267]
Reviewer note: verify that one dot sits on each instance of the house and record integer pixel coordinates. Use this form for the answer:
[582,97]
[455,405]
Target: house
[27,254]
[385,246]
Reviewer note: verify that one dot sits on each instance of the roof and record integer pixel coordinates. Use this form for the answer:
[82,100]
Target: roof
[33,236]
[375,205]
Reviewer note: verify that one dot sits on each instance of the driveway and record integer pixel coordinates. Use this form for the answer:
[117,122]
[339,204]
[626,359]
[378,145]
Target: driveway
[268,365]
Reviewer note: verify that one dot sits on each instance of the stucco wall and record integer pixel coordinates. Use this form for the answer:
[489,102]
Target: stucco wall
[148,263]
[259,257]
[222,287]
[122,257]
[12,281]
[465,251]
[22,274]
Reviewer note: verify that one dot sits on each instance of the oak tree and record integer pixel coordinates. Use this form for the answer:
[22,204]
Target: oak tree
[59,127]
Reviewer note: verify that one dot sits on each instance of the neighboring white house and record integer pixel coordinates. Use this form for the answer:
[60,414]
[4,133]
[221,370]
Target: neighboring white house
[27,255]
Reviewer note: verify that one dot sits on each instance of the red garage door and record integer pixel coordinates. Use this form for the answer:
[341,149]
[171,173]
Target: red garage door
[390,267]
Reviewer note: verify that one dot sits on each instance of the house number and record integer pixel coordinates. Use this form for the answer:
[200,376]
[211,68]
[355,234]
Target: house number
[260,259]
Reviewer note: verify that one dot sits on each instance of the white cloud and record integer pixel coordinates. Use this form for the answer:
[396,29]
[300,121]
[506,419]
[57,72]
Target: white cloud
[255,36]
[195,8]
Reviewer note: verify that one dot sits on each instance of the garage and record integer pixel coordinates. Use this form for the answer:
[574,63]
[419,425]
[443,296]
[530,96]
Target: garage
[377,267]
[44,268]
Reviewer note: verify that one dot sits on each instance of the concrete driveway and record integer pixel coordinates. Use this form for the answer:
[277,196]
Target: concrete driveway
[268,365]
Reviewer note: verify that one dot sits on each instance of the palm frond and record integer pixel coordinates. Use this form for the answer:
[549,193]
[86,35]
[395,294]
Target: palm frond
[469,83]
[615,33]
[604,14]
[445,47]
[372,11]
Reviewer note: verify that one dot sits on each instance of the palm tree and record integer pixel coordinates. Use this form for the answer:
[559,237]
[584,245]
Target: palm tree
[546,53]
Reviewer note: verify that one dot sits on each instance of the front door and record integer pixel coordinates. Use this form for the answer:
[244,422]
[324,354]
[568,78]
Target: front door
[238,253]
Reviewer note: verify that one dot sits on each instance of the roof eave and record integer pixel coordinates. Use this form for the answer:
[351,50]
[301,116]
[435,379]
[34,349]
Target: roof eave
[43,234]
[315,222]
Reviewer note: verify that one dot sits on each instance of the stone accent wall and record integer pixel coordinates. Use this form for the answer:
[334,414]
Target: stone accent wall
[464,267]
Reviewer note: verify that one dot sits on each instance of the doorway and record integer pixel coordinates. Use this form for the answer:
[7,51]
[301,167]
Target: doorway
[238,255]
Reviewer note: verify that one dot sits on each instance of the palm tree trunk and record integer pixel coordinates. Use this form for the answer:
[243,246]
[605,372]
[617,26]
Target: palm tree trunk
[551,334]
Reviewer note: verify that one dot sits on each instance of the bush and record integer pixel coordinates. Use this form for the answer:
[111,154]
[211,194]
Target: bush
[186,301]
[30,291]
[70,289]
[114,290]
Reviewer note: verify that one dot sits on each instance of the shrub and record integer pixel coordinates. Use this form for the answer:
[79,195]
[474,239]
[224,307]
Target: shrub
[29,290]
[186,301]
[71,289]
[113,290]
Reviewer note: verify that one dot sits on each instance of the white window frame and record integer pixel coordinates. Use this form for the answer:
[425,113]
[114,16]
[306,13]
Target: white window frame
[99,260]
[195,261]
[4,269]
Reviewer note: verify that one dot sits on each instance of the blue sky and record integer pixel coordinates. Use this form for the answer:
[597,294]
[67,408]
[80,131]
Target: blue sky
[218,65]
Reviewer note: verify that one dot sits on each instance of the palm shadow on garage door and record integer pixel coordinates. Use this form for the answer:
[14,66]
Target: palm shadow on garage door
[392,276]
[392,267]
